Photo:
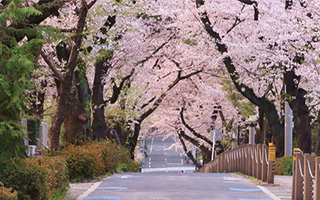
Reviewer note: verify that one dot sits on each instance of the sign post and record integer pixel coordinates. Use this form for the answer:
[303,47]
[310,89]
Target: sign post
[217,135]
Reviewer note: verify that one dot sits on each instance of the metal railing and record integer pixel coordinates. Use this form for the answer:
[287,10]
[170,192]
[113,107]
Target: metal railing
[250,159]
[306,177]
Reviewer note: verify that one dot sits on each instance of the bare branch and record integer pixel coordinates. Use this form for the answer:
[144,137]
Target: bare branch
[192,130]
[52,67]
[157,103]
[117,90]
[235,24]
[189,153]
[155,51]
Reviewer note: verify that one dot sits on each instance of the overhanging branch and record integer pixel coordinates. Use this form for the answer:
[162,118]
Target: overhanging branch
[52,67]
[192,130]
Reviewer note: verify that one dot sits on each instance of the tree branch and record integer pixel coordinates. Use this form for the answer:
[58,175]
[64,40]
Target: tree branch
[192,130]
[189,153]
[52,67]
[117,90]
[156,104]
[155,51]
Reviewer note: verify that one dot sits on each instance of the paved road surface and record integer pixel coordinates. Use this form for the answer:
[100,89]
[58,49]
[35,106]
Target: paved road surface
[165,175]
[162,158]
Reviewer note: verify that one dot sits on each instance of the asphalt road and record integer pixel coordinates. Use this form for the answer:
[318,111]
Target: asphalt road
[165,175]
[162,158]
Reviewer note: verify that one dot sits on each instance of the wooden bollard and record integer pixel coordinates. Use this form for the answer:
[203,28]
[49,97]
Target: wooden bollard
[298,185]
[264,166]
[308,176]
[259,160]
[317,179]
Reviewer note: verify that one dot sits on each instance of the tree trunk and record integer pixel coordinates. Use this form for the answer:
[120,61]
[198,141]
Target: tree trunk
[302,126]
[133,140]
[99,124]
[77,120]
[267,106]
[60,114]
[66,82]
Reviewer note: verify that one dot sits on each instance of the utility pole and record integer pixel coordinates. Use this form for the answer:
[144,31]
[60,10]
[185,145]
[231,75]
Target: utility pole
[252,132]
[287,128]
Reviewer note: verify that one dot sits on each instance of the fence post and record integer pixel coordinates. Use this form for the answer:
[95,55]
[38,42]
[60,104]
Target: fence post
[222,162]
[317,179]
[259,160]
[264,163]
[308,173]
[249,160]
[256,161]
[298,177]
[242,159]
[253,168]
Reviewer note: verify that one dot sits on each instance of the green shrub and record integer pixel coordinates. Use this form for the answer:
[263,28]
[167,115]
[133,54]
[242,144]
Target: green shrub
[56,172]
[95,159]
[33,124]
[116,158]
[283,166]
[82,163]
[37,178]
[30,182]
[8,194]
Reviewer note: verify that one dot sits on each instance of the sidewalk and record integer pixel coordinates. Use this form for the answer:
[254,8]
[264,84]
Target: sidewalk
[281,190]
[282,187]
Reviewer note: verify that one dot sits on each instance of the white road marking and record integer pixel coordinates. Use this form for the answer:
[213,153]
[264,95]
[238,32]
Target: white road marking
[164,169]
[265,190]
[182,161]
[175,164]
[151,145]
[86,193]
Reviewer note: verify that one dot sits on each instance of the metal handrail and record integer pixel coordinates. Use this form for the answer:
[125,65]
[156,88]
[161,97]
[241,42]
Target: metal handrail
[43,144]
[260,154]
[300,169]
[255,155]
[245,152]
[251,153]
[266,155]
[310,171]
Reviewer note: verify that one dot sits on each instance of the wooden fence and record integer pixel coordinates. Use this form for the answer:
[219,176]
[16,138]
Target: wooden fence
[251,159]
[306,177]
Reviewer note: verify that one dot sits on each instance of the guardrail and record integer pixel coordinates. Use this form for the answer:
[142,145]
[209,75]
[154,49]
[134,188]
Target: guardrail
[251,159]
[306,177]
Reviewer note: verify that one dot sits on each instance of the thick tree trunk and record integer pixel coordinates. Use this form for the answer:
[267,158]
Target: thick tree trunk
[85,97]
[77,120]
[60,114]
[99,124]
[302,125]
[133,140]
[66,82]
